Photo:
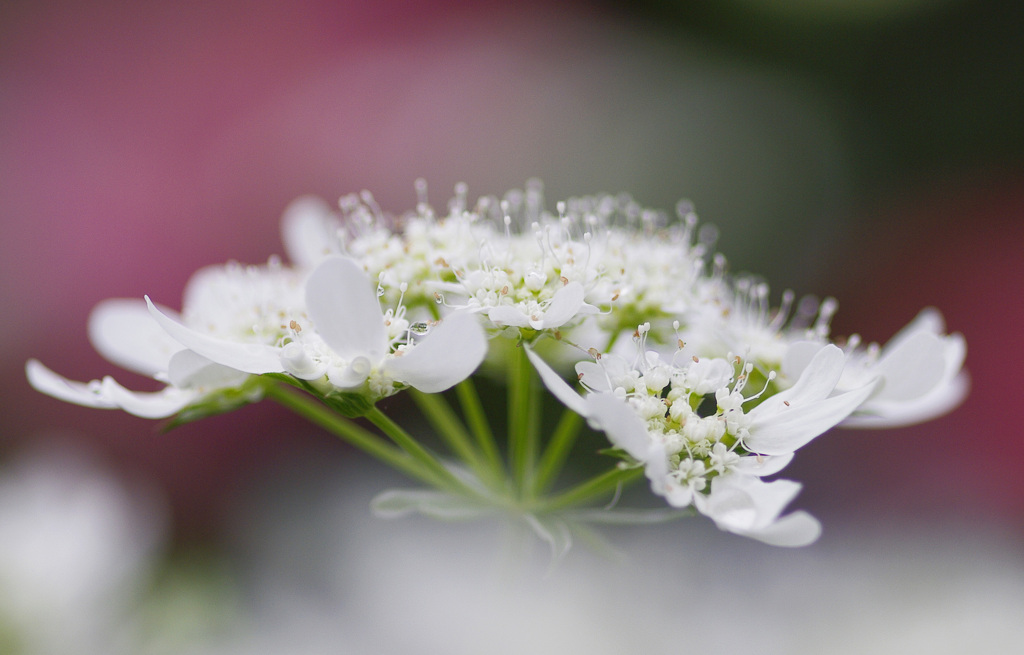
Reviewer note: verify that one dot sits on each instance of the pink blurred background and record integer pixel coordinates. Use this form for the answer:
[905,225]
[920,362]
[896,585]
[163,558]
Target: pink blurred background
[141,142]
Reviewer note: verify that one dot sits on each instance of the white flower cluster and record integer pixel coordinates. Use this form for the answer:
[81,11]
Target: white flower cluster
[690,372]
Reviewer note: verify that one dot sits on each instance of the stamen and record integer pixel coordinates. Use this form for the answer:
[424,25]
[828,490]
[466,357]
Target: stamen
[367,198]
[421,192]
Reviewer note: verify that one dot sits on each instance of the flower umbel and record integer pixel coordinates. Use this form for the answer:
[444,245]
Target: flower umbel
[716,393]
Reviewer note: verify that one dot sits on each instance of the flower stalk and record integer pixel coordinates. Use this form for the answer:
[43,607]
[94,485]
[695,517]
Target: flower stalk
[523,421]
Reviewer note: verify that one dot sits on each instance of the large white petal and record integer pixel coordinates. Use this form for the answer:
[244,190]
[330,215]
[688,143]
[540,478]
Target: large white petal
[797,358]
[157,404]
[252,358]
[791,531]
[508,316]
[557,386]
[309,231]
[189,369]
[928,320]
[44,380]
[912,369]
[763,466]
[623,426]
[564,305]
[788,428]
[124,332]
[445,357]
[880,414]
[604,374]
[340,299]
[750,507]
[816,381]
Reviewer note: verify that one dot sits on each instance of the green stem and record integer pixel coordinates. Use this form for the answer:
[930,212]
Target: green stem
[469,400]
[314,411]
[523,420]
[596,486]
[444,478]
[448,425]
[554,456]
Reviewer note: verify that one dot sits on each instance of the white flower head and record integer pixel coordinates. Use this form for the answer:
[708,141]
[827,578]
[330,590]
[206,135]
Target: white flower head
[697,456]
[243,303]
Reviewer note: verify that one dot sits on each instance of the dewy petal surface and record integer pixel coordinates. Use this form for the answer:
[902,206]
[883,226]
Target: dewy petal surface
[252,358]
[124,332]
[345,311]
[445,357]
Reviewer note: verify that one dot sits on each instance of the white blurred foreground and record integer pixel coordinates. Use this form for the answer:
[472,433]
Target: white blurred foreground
[313,572]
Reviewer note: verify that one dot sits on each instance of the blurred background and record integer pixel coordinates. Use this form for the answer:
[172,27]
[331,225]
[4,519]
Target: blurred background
[867,149]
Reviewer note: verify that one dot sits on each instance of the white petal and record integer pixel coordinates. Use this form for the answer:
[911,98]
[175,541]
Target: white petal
[557,386]
[340,299]
[742,504]
[124,332]
[308,231]
[565,304]
[656,466]
[749,507]
[44,380]
[791,531]
[783,431]
[445,357]
[252,358]
[601,375]
[912,369]
[877,414]
[798,356]
[298,363]
[677,495]
[351,376]
[763,466]
[507,315]
[594,375]
[622,425]
[188,369]
[158,404]
[709,374]
[816,381]
[928,320]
